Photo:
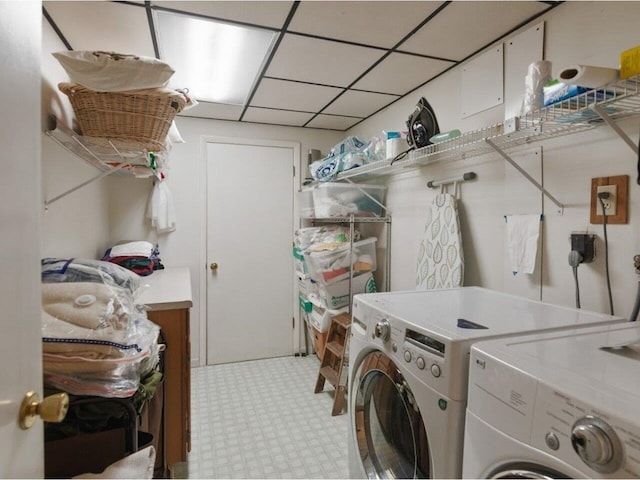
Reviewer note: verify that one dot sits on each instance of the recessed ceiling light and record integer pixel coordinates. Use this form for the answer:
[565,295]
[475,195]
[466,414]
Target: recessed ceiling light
[218,62]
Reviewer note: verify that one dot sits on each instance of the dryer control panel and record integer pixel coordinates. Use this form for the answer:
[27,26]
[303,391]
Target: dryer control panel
[585,436]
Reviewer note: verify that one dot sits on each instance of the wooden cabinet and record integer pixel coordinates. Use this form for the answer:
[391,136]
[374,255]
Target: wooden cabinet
[168,297]
[174,326]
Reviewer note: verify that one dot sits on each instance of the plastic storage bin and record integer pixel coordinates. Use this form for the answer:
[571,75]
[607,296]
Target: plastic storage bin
[298,260]
[333,266]
[305,202]
[342,199]
[336,295]
[320,316]
[306,285]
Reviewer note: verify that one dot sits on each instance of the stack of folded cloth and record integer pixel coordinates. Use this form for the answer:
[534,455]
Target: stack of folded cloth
[96,339]
[140,257]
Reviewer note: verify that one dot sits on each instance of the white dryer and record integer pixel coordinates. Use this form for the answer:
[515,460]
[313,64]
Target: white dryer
[408,367]
[555,405]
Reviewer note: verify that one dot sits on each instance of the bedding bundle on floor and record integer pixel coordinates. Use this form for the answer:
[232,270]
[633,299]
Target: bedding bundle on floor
[96,339]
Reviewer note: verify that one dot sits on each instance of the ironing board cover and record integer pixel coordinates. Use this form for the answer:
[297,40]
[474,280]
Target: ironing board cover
[440,259]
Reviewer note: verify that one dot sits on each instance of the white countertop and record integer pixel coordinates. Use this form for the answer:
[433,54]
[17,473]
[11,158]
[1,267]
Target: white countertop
[167,289]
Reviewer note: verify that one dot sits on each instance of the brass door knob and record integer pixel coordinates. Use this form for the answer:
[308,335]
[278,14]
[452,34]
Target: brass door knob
[213,266]
[52,409]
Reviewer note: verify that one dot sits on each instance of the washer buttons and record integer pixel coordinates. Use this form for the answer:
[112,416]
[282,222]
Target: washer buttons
[552,441]
[435,370]
[407,356]
[420,363]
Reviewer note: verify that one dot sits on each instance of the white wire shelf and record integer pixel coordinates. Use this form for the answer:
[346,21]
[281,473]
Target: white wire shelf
[348,219]
[586,111]
[107,155]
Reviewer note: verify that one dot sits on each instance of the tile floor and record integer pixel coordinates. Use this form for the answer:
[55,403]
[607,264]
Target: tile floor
[261,419]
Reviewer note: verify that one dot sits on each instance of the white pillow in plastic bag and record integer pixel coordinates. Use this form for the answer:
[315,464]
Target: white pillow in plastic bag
[114,72]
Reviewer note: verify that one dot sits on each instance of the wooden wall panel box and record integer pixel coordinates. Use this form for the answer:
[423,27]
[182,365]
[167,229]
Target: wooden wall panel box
[621,182]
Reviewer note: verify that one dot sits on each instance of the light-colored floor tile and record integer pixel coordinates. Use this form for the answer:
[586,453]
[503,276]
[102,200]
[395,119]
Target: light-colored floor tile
[261,419]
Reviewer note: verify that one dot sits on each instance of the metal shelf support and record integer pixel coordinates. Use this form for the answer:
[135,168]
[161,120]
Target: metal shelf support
[77,187]
[524,173]
[609,121]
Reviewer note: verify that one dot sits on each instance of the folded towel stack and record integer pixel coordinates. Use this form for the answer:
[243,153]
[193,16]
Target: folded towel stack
[140,257]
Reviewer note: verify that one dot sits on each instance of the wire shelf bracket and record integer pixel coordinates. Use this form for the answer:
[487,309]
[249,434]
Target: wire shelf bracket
[614,126]
[526,175]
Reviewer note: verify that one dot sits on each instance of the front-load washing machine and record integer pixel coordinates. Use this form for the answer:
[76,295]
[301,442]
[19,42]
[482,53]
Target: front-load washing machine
[408,367]
[555,405]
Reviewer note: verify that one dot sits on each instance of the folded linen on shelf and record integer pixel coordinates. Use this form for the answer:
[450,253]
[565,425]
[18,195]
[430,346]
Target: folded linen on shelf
[139,248]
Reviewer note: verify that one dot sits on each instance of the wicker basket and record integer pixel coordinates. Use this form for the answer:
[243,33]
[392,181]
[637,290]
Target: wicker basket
[140,116]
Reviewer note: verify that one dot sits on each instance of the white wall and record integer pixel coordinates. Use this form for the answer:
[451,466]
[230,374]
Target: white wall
[76,225]
[89,220]
[185,246]
[592,33]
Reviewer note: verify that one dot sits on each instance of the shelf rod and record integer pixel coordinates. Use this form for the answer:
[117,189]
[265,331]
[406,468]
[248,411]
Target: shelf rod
[532,180]
[77,187]
[607,119]
[446,181]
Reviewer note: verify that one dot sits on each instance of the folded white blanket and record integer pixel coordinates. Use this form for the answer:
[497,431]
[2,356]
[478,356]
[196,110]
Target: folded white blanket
[132,249]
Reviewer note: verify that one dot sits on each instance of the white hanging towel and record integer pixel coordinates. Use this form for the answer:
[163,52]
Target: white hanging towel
[440,258]
[522,241]
[160,209]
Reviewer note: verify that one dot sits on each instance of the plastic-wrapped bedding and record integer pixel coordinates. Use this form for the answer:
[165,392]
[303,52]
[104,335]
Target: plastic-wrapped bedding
[96,340]
[56,270]
[103,362]
[88,305]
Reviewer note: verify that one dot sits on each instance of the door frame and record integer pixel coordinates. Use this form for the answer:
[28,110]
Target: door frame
[204,140]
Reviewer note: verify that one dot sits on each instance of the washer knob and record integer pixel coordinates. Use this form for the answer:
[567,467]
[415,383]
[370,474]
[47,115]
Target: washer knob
[382,330]
[597,444]
[435,370]
[407,356]
[552,441]
[420,363]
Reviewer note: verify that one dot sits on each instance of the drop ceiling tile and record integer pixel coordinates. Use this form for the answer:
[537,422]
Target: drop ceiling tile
[399,73]
[333,122]
[218,111]
[320,61]
[293,95]
[267,14]
[380,23]
[276,117]
[359,104]
[103,26]
[464,27]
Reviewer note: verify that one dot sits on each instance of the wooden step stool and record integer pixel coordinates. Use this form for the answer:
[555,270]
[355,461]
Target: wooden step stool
[334,366]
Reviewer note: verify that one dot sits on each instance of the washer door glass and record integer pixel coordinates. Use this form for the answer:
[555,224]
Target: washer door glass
[390,432]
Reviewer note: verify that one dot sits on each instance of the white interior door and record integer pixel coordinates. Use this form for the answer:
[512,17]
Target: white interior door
[249,237]
[21,451]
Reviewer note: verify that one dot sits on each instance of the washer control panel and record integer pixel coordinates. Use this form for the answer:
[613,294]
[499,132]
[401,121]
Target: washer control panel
[585,436]
[424,355]
[420,353]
